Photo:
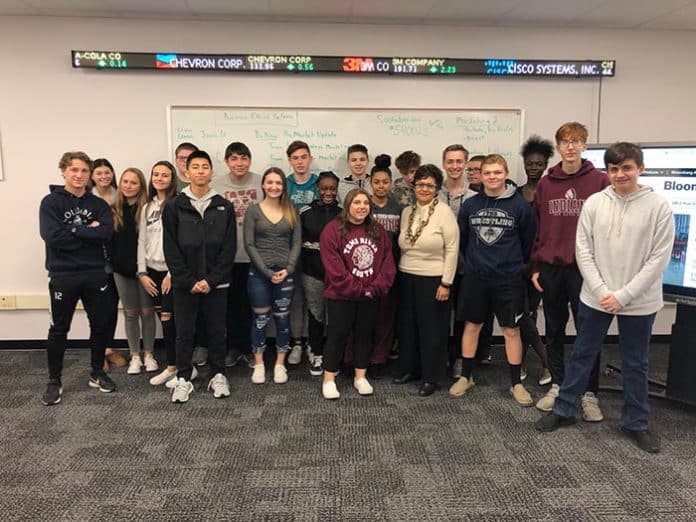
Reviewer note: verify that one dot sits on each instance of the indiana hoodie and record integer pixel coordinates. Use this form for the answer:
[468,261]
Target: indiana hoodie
[557,203]
[355,263]
[623,245]
[496,234]
[72,245]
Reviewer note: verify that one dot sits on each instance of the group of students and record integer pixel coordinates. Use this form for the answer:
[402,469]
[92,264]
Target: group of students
[352,264]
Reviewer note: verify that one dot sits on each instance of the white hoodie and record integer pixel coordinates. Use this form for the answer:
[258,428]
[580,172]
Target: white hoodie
[623,245]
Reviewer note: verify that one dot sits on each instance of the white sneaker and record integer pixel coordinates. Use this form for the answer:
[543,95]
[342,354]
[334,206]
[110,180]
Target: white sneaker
[329,390]
[315,367]
[220,386]
[135,365]
[591,412]
[258,376]
[363,386]
[280,374]
[547,401]
[164,377]
[295,356]
[150,363]
[182,390]
[171,384]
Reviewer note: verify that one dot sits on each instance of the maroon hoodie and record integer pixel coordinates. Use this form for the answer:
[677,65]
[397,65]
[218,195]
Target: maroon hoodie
[557,203]
[356,263]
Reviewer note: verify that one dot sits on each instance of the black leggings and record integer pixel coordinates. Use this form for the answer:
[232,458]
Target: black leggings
[345,318]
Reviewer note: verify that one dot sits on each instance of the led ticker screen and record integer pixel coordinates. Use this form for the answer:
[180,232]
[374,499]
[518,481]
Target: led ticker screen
[342,64]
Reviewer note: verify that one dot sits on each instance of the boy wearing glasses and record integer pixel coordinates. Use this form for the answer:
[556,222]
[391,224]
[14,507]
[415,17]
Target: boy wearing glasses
[181,154]
[497,229]
[558,201]
[473,172]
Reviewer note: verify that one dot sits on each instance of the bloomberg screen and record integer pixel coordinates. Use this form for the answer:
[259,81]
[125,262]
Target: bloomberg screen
[671,171]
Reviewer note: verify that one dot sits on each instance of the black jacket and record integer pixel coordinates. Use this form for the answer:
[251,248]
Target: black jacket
[314,218]
[72,245]
[198,248]
[124,244]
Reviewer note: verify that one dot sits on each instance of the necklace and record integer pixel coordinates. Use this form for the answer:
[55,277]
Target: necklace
[410,236]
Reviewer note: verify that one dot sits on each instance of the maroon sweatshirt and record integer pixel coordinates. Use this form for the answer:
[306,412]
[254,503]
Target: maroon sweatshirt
[355,263]
[557,204]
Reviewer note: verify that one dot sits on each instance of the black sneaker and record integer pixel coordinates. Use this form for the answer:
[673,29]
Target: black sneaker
[552,421]
[644,439]
[54,389]
[103,382]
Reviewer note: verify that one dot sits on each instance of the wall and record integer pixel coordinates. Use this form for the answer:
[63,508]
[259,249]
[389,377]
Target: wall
[46,107]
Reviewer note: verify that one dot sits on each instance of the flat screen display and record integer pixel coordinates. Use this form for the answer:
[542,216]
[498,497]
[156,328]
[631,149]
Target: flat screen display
[670,169]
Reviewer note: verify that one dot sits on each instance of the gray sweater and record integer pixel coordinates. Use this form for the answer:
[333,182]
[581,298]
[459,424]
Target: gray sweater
[623,245]
[271,245]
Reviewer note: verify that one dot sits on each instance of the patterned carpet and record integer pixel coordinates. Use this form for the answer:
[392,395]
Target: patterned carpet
[282,452]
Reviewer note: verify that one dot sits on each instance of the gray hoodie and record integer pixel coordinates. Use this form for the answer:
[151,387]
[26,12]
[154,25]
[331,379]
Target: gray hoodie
[623,245]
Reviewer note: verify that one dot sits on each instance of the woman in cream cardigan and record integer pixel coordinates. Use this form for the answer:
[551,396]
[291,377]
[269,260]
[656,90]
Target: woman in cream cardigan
[429,243]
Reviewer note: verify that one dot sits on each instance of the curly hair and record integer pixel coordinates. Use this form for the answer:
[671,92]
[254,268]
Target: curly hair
[537,145]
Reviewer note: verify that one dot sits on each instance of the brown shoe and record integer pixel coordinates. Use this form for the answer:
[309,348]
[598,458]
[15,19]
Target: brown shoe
[521,395]
[460,387]
[117,360]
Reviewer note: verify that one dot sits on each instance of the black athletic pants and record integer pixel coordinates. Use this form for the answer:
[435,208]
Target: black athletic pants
[355,319]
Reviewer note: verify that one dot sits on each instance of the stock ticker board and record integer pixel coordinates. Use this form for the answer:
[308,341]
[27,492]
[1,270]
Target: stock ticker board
[360,65]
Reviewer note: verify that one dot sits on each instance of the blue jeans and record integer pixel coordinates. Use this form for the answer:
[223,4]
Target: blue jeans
[634,341]
[266,299]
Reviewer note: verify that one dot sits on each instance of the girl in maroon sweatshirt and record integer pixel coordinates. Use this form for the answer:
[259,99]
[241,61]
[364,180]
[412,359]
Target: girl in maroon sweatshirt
[359,267]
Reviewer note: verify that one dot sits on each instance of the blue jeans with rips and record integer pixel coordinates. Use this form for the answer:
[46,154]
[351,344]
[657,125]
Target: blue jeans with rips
[268,299]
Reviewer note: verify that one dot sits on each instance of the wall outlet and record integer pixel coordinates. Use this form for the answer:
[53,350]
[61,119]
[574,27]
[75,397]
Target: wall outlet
[8,302]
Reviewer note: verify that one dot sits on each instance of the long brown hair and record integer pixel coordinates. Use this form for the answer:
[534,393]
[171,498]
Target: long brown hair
[371,226]
[119,201]
[170,192]
[289,210]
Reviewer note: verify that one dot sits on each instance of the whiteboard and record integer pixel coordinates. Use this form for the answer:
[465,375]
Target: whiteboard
[330,131]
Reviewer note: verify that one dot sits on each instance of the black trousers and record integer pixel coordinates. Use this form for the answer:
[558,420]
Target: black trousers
[97,294]
[350,318]
[561,286]
[239,310]
[423,327]
[211,309]
[164,303]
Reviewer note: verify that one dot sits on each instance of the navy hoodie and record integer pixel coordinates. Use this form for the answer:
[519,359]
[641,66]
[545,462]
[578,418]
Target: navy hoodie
[72,246]
[497,234]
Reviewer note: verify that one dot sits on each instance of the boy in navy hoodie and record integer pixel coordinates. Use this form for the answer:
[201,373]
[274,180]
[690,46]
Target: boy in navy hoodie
[497,230]
[76,225]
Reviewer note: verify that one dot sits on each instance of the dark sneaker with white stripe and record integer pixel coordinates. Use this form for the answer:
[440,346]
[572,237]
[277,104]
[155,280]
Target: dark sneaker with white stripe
[54,390]
[103,382]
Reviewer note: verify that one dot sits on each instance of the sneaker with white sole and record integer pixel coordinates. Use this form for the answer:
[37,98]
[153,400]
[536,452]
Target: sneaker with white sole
[591,412]
[521,395]
[462,386]
[220,386]
[280,374]
[182,390]
[103,382]
[329,390]
[258,376]
[150,363]
[135,365]
[53,393]
[295,356]
[315,368]
[171,384]
[200,356]
[545,377]
[163,377]
[363,386]
[547,401]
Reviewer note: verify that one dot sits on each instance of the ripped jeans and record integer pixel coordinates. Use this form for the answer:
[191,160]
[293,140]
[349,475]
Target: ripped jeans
[268,300]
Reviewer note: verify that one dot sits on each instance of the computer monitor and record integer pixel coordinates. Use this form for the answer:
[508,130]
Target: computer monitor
[670,169]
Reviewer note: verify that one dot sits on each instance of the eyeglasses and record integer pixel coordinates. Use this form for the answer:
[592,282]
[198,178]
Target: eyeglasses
[567,143]
[425,186]
[476,169]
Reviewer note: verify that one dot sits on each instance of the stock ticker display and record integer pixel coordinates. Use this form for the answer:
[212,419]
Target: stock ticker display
[306,64]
